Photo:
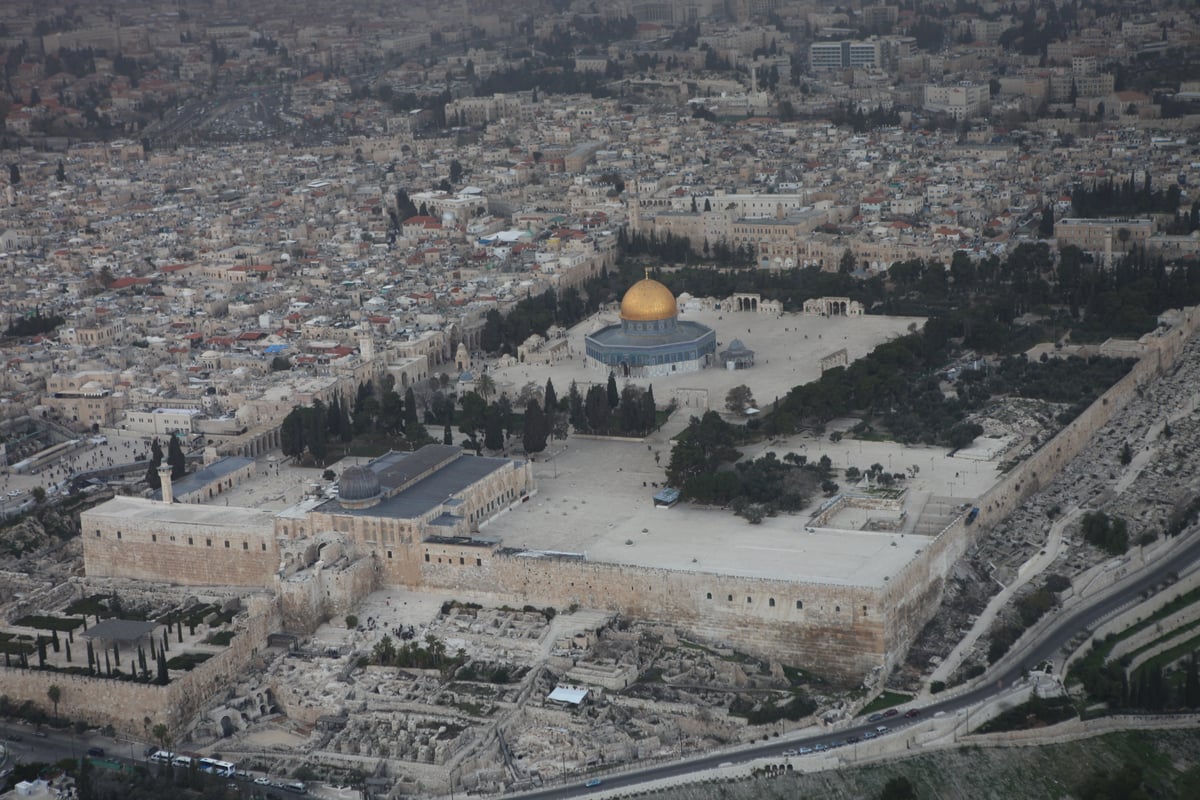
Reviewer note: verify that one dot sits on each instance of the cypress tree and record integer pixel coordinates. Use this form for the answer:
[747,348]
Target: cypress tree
[649,410]
[176,458]
[536,430]
[68,644]
[156,456]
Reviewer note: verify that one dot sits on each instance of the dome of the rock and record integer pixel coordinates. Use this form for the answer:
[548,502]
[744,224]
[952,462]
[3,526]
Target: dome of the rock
[648,300]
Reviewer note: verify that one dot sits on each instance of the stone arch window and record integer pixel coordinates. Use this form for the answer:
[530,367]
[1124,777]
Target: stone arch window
[771,602]
[118,534]
[708,596]
[190,540]
[245,545]
[97,533]
[748,600]
[264,546]
[864,611]
[208,542]
[427,558]
[837,609]
[461,560]
[730,598]
[389,552]
[154,537]
[799,604]
[226,544]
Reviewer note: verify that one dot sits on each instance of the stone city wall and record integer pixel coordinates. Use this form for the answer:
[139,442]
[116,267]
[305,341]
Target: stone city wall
[838,629]
[913,595]
[178,553]
[321,593]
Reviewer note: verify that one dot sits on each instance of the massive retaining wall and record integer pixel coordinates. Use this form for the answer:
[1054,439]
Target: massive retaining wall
[127,542]
[839,629]
[914,594]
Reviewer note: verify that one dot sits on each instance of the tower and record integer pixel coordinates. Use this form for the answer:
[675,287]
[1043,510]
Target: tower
[164,477]
[366,342]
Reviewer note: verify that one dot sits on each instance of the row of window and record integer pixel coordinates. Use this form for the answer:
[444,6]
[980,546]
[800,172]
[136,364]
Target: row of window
[461,560]
[770,601]
[191,541]
[494,504]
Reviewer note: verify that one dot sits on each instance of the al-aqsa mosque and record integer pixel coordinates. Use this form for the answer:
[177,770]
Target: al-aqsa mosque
[651,340]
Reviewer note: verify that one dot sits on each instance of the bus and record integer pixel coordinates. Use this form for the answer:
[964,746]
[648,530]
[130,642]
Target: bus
[223,768]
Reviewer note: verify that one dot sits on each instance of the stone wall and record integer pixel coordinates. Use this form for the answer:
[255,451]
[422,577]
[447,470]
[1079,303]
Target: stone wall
[322,592]
[188,554]
[914,594]
[838,629]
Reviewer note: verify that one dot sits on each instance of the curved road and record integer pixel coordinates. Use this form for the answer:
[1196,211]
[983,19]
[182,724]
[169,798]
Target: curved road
[1042,647]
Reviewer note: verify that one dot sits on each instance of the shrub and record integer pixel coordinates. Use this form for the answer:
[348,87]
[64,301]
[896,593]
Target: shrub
[936,687]
[1057,583]
[1108,533]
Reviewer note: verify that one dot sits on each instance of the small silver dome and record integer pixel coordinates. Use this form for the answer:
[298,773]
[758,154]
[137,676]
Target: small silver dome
[358,483]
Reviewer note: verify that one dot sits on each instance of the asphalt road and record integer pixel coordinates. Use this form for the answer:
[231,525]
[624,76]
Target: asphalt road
[1012,668]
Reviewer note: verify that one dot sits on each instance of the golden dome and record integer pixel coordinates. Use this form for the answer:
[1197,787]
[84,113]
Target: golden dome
[648,300]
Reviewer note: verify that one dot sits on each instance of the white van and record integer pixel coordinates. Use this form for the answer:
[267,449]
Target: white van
[182,761]
[162,756]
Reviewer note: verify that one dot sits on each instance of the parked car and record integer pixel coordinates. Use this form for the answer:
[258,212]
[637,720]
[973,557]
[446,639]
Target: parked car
[891,712]
[912,712]
[96,752]
[875,718]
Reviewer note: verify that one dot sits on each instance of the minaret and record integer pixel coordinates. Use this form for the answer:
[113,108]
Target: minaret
[164,476]
[635,212]
[366,342]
